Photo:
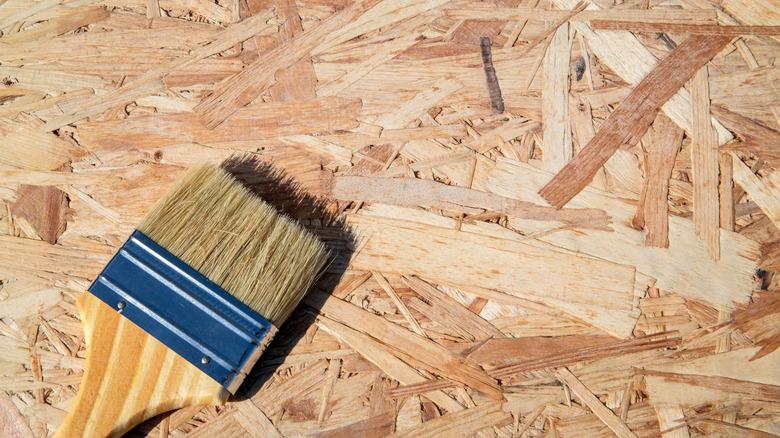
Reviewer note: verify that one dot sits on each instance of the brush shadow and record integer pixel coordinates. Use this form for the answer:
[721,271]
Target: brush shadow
[317,215]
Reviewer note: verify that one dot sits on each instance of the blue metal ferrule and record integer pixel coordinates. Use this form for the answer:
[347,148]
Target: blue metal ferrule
[184,310]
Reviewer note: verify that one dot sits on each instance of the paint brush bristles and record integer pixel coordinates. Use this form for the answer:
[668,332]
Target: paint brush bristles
[214,224]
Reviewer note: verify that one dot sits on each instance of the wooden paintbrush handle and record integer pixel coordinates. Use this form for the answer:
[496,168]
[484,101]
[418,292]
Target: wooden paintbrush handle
[130,377]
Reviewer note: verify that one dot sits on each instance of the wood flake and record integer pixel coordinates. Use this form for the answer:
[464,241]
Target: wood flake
[555,94]
[660,162]
[763,191]
[45,207]
[632,61]
[255,122]
[413,192]
[453,257]
[633,116]
[738,254]
[464,422]
[704,156]
[699,29]
[379,354]
[583,393]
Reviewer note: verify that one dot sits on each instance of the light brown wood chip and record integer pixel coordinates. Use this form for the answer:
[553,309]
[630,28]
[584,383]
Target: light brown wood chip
[763,191]
[463,423]
[384,358]
[756,137]
[666,143]
[704,158]
[587,398]
[471,325]
[700,29]
[255,122]
[557,142]
[151,81]
[419,192]
[45,207]
[12,424]
[633,116]
[410,347]
[483,11]
[242,88]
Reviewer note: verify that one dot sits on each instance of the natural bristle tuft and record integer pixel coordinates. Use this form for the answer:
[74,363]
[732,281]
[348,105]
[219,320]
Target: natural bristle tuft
[214,224]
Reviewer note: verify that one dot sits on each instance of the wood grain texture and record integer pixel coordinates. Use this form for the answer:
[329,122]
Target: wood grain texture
[632,61]
[12,424]
[413,192]
[726,191]
[483,11]
[408,346]
[669,422]
[704,159]
[298,81]
[633,116]
[724,376]
[555,96]
[726,282]
[255,122]
[753,11]
[242,88]
[130,377]
[756,137]
[446,311]
[151,81]
[593,290]
[378,354]
[464,423]
[408,153]
[660,162]
[587,398]
[77,17]
[45,207]
[763,191]
[701,29]
[26,147]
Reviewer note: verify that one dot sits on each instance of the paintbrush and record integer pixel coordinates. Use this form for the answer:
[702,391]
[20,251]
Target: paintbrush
[187,305]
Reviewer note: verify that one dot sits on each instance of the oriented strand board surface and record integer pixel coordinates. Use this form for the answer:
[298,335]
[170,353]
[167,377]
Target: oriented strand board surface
[459,303]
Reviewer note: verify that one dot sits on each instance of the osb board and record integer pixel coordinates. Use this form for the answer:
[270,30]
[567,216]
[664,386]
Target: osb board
[462,303]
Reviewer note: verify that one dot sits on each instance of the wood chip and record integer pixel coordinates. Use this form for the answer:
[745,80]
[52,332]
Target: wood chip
[666,143]
[151,81]
[755,136]
[699,29]
[413,192]
[704,158]
[412,347]
[614,423]
[255,122]
[469,421]
[633,116]
[555,94]
[45,207]
[763,191]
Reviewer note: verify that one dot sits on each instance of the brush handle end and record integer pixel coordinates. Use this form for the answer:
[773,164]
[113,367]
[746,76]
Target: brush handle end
[130,377]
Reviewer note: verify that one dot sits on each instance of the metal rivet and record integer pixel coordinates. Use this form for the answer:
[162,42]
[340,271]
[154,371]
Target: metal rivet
[120,306]
[204,360]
